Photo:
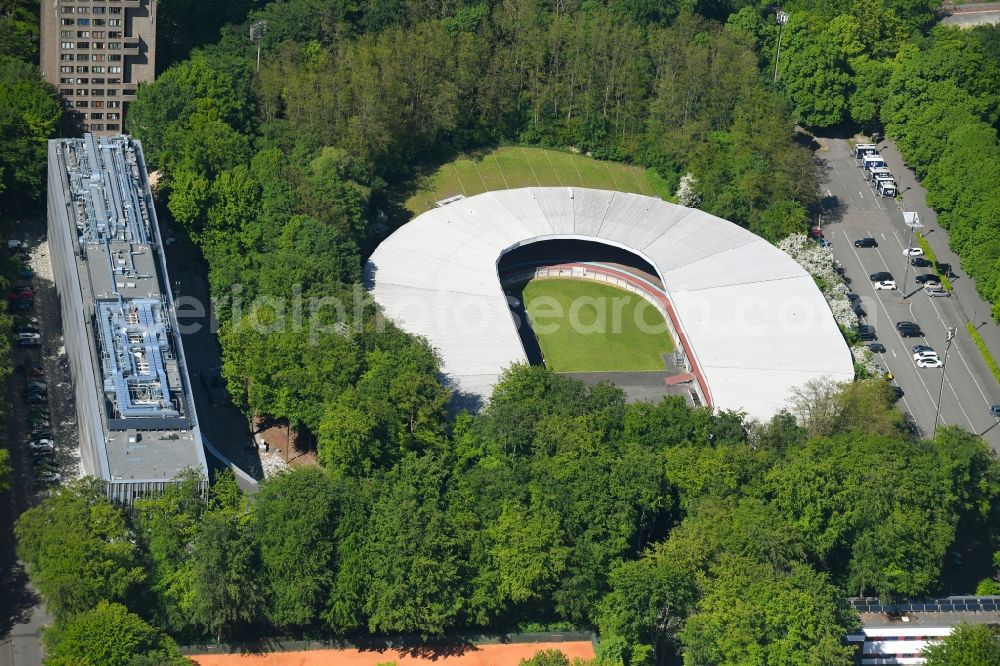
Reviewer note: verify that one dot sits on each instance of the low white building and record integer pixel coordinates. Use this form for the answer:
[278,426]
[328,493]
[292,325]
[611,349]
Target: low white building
[752,322]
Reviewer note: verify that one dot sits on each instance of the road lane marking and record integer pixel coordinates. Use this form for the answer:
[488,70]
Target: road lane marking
[878,298]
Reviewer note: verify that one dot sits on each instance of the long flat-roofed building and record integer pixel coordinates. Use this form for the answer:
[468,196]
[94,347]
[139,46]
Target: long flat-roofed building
[137,422]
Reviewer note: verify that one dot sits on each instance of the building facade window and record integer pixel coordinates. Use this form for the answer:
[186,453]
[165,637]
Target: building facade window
[83,21]
[66,45]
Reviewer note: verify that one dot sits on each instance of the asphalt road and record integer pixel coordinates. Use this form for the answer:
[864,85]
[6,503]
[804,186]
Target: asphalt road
[968,389]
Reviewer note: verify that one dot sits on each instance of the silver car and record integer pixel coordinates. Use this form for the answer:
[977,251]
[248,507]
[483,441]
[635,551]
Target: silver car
[936,292]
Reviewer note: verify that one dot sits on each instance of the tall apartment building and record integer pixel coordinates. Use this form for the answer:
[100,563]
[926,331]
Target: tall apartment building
[96,52]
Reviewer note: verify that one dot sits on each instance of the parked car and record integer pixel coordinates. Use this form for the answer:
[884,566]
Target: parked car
[858,310]
[851,296]
[929,363]
[37,387]
[995,411]
[911,332]
[49,477]
[36,399]
[866,242]
[944,269]
[42,433]
[925,354]
[29,342]
[936,292]
[876,348]
[881,276]
[15,246]
[19,293]
[43,456]
[913,252]
[866,332]
[920,262]
[885,284]
[906,324]
[41,445]
[22,304]
[927,278]
[26,272]
[919,348]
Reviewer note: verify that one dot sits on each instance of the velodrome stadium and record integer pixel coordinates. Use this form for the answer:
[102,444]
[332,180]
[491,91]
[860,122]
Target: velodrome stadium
[745,324]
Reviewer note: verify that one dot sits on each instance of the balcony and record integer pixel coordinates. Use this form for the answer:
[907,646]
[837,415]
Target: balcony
[130,46]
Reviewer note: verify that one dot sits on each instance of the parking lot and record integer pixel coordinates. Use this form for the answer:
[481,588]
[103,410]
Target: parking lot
[44,406]
[855,212]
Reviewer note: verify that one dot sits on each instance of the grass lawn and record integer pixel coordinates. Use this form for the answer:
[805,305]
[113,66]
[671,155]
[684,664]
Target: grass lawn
[510,167]
[585,326]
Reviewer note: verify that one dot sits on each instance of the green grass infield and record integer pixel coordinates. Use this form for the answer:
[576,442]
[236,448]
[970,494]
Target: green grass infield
[585,326]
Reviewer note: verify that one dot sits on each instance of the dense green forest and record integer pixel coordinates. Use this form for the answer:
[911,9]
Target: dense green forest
[671,531]
[666,528]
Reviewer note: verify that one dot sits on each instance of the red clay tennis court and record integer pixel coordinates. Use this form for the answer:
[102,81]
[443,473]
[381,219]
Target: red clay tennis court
[509,654]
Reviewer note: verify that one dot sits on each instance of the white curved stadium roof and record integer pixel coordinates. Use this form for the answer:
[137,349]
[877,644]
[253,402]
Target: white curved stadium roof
[756,324]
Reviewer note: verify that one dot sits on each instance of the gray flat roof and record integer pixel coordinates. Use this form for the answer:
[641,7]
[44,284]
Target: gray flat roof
[136,359]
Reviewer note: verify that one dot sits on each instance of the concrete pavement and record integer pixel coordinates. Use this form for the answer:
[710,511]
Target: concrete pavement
[967,389]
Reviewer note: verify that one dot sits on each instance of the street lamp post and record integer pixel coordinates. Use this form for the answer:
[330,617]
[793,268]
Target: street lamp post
[912,220]
[944,368]
[782,18]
